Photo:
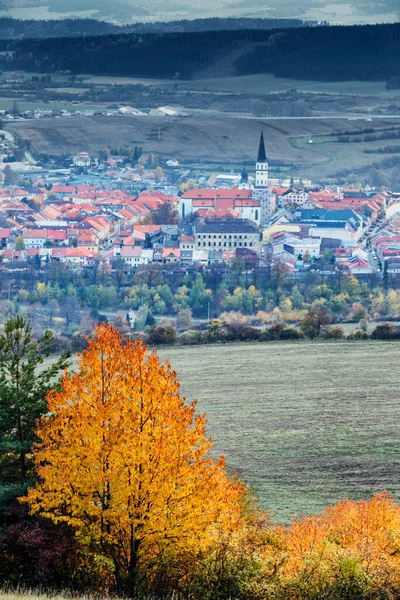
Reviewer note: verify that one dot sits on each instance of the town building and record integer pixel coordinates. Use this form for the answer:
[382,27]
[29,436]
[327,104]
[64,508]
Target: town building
[227,234]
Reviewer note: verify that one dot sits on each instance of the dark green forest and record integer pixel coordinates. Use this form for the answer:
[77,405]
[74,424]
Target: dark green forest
[368,52]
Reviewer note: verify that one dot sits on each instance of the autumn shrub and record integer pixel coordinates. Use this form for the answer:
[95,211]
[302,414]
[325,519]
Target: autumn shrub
[60,343]
[78,342]
[234,318]
[386,331]
[352,550]
[332,333]
[358,334]
[290,333]
[281,332]
[293,316]
[159,335]
[313,322]
[238,332]
[263,318]
[192,337]
[36,553]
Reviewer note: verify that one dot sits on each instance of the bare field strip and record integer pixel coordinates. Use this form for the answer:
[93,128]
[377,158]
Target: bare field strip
[306,424]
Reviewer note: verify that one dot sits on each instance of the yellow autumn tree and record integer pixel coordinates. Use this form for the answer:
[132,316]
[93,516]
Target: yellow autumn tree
[125,461]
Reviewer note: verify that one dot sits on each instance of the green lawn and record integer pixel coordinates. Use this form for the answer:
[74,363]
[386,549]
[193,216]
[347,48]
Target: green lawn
[306,424]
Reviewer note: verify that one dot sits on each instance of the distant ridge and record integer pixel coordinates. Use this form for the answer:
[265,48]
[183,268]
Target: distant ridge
[22,29]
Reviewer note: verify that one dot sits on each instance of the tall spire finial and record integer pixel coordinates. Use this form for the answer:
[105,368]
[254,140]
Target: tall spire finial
[262,157]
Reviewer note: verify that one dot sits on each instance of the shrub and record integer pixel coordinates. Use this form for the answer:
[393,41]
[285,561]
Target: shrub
[159,335]
[313,322]
[273,333]
[332,333]
[385,332]
[238,332]
[60,343]
[191,338]
[358,335]
[290,333]
[281,332]
[235,318]
[78,343]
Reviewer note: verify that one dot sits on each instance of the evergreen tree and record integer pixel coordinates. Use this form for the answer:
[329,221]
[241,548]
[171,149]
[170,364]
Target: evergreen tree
[24,384]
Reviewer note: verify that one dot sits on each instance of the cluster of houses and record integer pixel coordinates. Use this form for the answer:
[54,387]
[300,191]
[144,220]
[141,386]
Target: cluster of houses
[83,224]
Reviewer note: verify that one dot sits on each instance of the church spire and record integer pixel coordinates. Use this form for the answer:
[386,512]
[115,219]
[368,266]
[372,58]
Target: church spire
[262,157]
[245,176]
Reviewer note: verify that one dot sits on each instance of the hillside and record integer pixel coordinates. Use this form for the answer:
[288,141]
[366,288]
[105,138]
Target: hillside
[213,141]
[368,53]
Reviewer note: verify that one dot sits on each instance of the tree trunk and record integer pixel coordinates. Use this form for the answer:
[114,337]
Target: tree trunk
[22,452]
[133,578]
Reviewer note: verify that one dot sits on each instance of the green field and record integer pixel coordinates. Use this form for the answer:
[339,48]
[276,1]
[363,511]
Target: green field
[306,424]
[340,156]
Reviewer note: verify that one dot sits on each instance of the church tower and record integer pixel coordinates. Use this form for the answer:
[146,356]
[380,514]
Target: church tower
[262,165]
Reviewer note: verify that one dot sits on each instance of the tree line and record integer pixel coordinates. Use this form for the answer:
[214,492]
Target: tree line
[370,52]
[31,28]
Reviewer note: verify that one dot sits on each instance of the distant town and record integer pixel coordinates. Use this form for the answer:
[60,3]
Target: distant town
[130,206]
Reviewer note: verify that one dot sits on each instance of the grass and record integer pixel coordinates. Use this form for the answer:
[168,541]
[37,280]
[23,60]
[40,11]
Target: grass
[305,424]
[340,156]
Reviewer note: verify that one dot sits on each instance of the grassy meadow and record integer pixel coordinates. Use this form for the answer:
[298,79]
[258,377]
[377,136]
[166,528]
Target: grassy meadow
[306,424]
[338,155]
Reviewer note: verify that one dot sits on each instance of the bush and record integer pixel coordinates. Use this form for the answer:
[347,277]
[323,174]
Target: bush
[238,332]
[290,333]
[385,332]
[78,343]
[281,332]
[191,338]
[358,335]
[60,343]
[273,333]
[159,335]
[313,322]
[332,333]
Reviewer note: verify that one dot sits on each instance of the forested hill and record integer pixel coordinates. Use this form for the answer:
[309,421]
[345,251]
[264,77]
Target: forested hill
[369,52]
[23,29]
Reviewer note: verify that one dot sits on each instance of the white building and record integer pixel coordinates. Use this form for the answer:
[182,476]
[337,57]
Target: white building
[295,198]
[82,160]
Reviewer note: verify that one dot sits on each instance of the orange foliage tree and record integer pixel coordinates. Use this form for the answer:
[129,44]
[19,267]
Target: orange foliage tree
[352,548]
[124,461]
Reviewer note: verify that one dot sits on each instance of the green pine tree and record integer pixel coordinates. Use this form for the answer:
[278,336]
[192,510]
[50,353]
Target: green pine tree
[24,384]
